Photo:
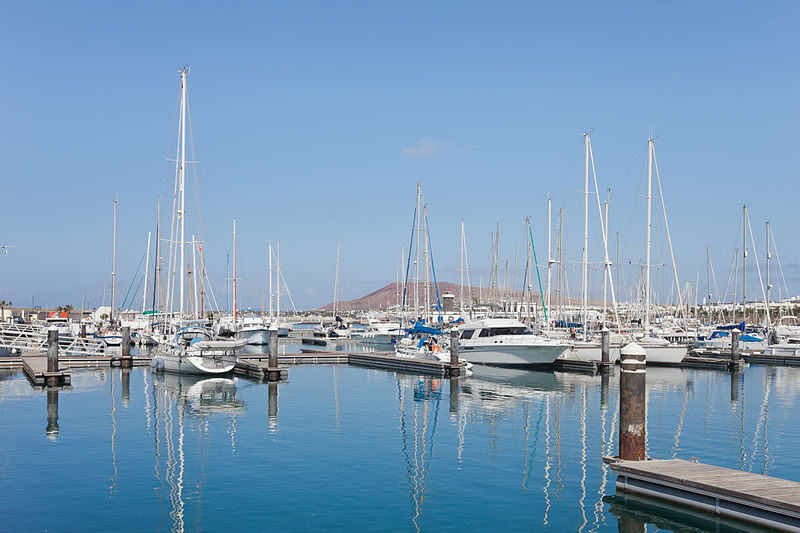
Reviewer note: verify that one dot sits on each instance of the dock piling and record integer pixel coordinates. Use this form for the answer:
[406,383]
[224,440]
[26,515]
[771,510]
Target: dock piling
[126,361]
[454,364]
[273,347]
[735,345]
[605,346]
[632,410]
[52,356]
[83,331]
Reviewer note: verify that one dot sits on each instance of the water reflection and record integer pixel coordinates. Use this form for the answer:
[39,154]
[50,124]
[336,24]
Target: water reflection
[52,415]
[174,397]
[418,422]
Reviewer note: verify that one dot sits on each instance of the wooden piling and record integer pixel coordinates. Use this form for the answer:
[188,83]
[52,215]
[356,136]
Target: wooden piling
[52,356]
[126,361]
[605,346]
[735,345]
[633,411]
[83,331]
[273,347]
[455,367]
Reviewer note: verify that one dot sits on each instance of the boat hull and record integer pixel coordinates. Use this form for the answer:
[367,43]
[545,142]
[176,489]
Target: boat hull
[258,337]
[194,364]
[512,355]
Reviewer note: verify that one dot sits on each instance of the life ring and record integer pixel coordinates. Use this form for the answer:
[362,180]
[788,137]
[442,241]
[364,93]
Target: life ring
[435,348]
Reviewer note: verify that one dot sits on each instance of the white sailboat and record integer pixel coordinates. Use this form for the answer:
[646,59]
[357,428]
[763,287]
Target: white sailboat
[191,350]
[659,351]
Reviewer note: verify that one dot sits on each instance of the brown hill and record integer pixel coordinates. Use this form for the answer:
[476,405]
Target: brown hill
[392,293]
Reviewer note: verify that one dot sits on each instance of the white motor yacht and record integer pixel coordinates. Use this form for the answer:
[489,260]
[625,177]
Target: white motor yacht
[506,341]
[254,331]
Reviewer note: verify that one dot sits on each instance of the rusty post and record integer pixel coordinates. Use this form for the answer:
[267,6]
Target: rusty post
[52,355]
[454,364]
[735,345]
[83,331]
[632,411]
[52,415]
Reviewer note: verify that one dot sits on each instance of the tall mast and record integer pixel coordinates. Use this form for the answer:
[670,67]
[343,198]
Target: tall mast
[195,301]
[427,265]
[744,264]
[182,186]
[336,278]
[461,271]
[647,254]
[584,314]
[146,272]
[234,274]
[113,263]
[278,280]
[550,260]
[269,260]
[416,263]
[768,257]
[605,263]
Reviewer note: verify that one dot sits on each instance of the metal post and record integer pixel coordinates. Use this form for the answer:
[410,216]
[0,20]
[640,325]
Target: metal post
[52,350]
[735,345]
[83,331]
[454,368]
[52,414]
[273,346]
[633,411]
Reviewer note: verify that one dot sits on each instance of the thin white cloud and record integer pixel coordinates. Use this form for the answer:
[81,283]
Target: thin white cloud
[422,148]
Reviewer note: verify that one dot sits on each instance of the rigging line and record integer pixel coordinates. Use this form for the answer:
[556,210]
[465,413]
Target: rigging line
[408,263]
[604,231]
[544,306]
[669,240]
[778,257]
[433,267]
[758,269]
[568,167]
[135,275]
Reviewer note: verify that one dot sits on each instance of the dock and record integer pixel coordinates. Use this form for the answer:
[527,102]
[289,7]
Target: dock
[579,365]
[716,363]
[259,369]
[754,498]
[35,368]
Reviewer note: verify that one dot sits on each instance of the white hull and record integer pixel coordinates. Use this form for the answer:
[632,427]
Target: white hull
[258,337]
[671,354]
[194,364]
[511,354]
[383,339]
[590,352]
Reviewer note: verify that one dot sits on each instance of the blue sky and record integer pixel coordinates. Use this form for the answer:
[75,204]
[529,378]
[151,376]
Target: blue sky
[316,119]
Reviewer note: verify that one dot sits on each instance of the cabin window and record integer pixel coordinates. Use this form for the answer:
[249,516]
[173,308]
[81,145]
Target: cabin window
[467,333]
[484,333]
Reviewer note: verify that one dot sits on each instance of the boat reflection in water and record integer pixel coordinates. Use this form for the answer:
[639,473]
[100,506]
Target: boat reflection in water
[174,396]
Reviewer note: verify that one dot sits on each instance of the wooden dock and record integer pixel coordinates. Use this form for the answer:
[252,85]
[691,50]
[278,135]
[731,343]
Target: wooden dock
[755,498]
[35,367]
[579,365]
[260,369]
[717,363]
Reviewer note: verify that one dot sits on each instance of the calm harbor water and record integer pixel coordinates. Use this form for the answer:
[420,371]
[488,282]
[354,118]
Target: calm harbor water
[348,449]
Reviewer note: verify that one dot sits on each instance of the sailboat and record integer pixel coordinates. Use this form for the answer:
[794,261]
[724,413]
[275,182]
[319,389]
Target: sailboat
[188,352]
[111,334]
[659,351]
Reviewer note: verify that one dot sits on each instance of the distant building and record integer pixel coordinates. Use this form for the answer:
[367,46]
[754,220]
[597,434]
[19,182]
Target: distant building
[448,302]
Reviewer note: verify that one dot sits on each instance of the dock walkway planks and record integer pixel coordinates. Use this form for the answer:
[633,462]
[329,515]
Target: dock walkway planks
[35,367]
[756,498]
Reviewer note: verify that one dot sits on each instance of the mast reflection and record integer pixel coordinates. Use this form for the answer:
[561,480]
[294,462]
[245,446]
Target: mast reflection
[202,399]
